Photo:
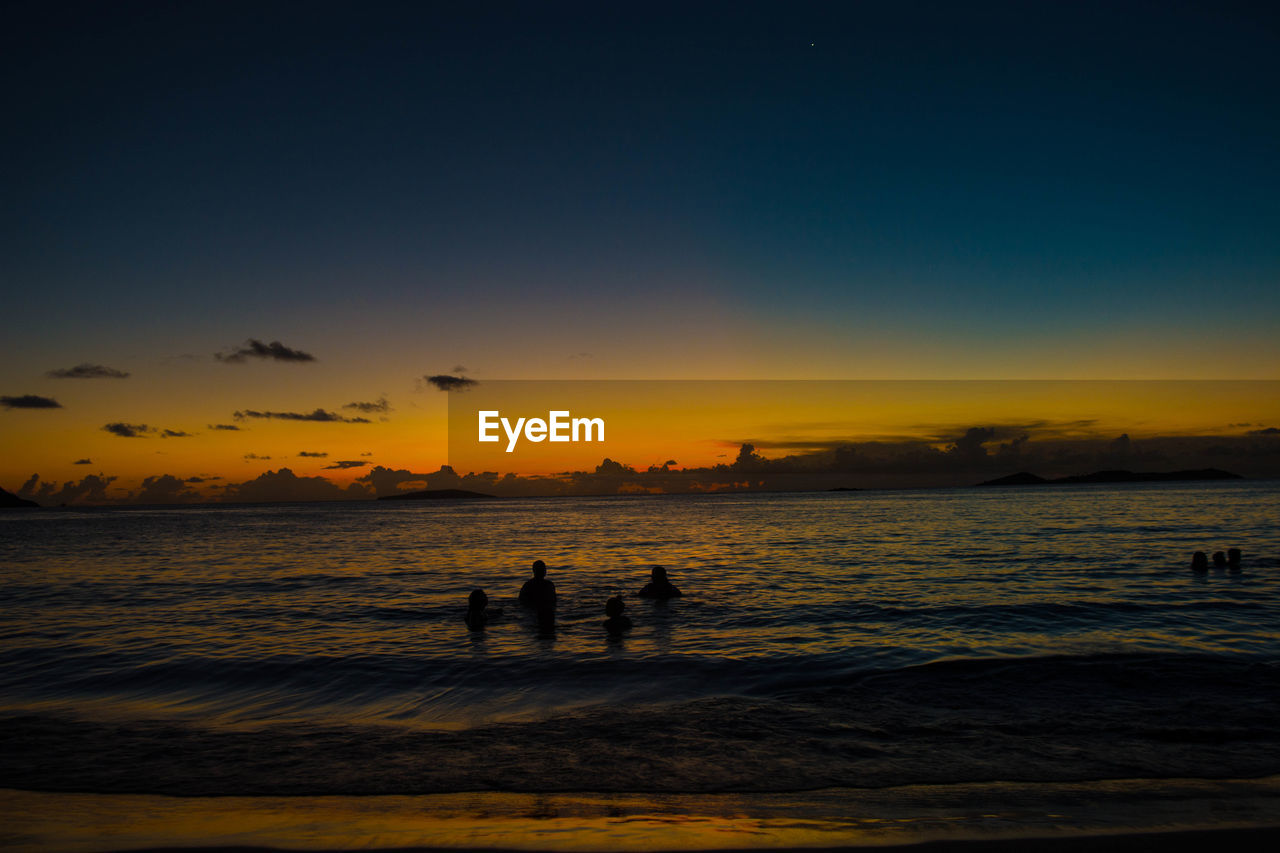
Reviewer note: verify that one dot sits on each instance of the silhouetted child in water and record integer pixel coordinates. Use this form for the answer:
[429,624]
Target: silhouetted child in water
[1199,563]
[477,613]
[616,623]
[659,586]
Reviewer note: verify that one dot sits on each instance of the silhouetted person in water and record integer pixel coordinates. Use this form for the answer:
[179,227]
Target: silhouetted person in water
[477,616]
[616,623]
[1233,559]
[1199,563]
[1219,560]
[539,594]
[659,586]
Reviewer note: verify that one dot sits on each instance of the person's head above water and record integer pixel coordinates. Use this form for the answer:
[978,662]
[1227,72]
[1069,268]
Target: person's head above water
[614,607]
[539,569]
[477,600]
[658,574]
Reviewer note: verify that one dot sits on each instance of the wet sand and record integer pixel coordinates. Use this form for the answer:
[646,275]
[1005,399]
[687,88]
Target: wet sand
[1235,840]
[1118,815]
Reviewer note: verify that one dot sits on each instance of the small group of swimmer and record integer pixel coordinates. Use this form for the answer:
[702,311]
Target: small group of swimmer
[1230,560]
[539,595]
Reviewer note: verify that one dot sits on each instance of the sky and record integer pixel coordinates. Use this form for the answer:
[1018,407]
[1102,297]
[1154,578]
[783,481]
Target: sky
[560,191]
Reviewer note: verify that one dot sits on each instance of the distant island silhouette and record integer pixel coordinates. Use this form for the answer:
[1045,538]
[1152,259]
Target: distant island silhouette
[9,500]
[1026,478]
[437,495]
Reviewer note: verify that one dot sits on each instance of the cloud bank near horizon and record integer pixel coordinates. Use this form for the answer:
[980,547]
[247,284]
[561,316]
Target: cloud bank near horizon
[971,455]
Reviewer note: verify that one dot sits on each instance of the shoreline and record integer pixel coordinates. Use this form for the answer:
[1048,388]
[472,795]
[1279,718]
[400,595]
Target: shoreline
[1112,815]
[1237,840]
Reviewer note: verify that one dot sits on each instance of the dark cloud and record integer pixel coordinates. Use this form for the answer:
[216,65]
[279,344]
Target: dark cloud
[29,401]
[255,348]
[88,371]
[83,462]
[222,427]
[1266,431]
[128,430]
[445,382]
[313,455]
[90,490]
[366,454]
[379,407]
[343,464]
[249,457]
[284,485]
[319,415]
[165,489]
[969,446]
[174,433]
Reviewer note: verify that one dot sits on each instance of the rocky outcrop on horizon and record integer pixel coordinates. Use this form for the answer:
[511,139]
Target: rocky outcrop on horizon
[12,501]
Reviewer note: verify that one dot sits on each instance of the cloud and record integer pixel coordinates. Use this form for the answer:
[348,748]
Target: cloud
[165,489]
[255,348]
[249,457]
[83,462]
[284,485]
[319,415]
[380,406]
[128,430]
[1266,431]
[88,371]
[174,433]
[91,490]
[313,455]
[29,401]
[367,454]
[445,382]
[343,464]
[970,445]
[223,427]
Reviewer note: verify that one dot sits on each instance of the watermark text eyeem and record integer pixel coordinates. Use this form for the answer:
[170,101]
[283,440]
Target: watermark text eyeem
[558,427]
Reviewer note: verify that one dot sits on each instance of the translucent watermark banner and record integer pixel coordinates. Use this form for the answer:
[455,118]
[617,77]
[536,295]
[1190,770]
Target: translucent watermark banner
[620,436]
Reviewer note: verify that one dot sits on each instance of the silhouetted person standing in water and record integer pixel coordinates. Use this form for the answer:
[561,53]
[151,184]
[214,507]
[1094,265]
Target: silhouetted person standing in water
[659,586]
[539,594]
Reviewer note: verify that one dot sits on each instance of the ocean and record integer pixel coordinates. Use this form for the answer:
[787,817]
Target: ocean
[848,665]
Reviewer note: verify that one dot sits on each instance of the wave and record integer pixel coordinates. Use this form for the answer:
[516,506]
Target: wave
[1059,718]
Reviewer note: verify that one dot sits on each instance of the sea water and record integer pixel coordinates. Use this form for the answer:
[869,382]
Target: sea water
[825,641]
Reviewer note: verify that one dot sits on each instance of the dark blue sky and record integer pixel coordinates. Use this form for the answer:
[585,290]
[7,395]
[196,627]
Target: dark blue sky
[843,189]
